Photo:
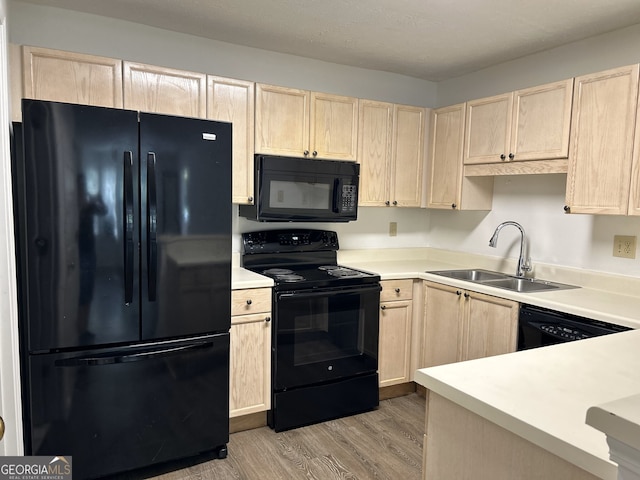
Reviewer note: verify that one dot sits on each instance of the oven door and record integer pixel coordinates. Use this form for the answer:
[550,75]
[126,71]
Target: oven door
[323,335]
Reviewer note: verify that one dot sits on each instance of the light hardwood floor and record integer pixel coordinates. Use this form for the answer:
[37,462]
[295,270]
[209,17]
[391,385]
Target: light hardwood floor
[383,444]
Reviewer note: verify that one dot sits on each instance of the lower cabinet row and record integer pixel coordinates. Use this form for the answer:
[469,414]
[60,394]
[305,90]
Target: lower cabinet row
[422,324]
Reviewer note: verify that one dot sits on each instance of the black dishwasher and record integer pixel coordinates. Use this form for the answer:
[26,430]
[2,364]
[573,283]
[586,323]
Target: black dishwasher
[538,327]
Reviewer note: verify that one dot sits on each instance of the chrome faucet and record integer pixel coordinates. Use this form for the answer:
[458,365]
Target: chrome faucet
[523,265]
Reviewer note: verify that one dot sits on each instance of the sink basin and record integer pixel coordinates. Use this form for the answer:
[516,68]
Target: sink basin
[502,280]
[472,275]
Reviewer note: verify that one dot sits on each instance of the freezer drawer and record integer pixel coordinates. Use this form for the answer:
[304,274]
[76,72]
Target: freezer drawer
[120,409]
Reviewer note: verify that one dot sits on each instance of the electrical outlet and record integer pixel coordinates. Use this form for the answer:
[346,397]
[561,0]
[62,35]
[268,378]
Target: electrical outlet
[624,246]
[393,229]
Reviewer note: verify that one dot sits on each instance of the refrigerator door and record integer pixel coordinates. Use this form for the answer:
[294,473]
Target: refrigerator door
[116,410]
[186,226]
[79,254]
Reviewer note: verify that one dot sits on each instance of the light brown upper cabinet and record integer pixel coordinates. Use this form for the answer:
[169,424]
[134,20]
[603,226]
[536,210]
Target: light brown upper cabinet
[601,156]
[71,77]
[230,100]
[529,124]
[391,154]
[448,187]
[299,123]
[149,88]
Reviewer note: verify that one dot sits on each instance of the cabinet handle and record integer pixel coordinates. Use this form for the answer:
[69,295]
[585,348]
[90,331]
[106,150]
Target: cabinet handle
[306,152]
[453,205]
[267,319]
[567,208]
[395,202]
[511,156]
[503,156]
[382,307]
[458,292]
[466,295]
[397,290]
[249,302]
[315,154]
[250,199]
[387,203]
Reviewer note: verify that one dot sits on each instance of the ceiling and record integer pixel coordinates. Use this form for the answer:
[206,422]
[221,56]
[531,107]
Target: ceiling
[429,39]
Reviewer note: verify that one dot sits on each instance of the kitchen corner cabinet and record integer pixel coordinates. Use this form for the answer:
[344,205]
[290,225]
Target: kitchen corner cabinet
[230,100]
[149,88]
[529,124]
[394,352]
[391,154]
[300,123]
[462,325]
[71,77]
[250,352]
[601,157]
[448,187]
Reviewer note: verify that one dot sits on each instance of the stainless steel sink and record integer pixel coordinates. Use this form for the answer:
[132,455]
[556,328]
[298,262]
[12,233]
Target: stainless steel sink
[472,275]
[502,280]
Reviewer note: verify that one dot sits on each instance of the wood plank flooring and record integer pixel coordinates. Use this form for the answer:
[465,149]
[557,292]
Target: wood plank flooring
[383,444]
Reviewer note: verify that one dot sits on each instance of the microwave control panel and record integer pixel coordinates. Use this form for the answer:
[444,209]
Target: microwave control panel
[349,198]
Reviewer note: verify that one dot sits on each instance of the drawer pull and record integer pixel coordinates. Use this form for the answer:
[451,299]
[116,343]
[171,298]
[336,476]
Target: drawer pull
[267,319]
[249,302]
[397,290]
[382,307]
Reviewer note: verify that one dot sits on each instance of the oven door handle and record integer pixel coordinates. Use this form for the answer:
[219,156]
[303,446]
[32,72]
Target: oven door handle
[329,292]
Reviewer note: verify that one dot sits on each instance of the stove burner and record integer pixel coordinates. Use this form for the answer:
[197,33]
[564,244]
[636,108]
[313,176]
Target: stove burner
[344,272]
[289,278]
[328,267]
[278,271]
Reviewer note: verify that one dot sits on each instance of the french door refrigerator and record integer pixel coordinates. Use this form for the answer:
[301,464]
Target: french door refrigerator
[124,246]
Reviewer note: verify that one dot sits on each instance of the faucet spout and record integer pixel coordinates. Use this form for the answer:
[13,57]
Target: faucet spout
[523,265]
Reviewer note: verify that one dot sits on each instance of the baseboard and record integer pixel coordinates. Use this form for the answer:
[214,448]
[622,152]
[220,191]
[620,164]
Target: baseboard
[247,422]
[397,390]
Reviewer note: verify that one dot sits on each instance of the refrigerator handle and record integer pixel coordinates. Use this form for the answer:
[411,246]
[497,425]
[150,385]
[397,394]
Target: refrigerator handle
[96,360]
[152,226]
[128,227]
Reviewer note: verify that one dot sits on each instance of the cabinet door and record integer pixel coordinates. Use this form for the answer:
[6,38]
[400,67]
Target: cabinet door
[333,126]
[232,101]
[541,121]
[407,155]
[601,144]
[490,326]
[394,351]
[164,90]
[282,120]
[250,364]
[442,324]
[71,77]
[445,159]
[487,131]
[374,151]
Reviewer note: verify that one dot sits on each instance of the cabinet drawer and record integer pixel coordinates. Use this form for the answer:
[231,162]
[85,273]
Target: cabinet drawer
[396,290]
[253,300]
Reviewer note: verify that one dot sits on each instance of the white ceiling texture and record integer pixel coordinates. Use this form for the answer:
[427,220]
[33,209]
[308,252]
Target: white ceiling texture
[429,39]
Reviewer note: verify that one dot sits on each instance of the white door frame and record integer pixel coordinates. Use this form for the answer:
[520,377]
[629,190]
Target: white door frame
[10,402]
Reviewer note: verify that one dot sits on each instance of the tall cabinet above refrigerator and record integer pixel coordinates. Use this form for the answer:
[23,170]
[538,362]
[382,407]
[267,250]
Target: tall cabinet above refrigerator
[124,245]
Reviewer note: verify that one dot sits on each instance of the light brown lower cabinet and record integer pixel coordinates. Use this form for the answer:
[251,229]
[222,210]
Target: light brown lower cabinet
[250,352]
[394,351]
[462,325]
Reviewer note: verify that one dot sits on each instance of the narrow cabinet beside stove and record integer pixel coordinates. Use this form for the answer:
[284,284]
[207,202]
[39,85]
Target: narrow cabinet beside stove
[250,353]
[396,311]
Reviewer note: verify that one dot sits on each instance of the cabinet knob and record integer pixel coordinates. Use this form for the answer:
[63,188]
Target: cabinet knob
[267,319]
[503,156]
[466,295]
[511,156]
[453,205]
[458,292]
[395,202]
[306,152]
[250,199]
[567,208]
[315,154]
[382,307]
[249,302]
[397,290]
[386,203]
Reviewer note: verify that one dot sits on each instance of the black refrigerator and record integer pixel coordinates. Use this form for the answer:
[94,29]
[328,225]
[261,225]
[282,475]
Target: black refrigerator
[124,248]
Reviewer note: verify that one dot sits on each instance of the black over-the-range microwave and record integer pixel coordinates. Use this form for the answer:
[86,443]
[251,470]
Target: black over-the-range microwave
[291,189]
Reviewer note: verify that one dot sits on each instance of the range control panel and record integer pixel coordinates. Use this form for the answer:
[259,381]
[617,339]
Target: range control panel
[298,240]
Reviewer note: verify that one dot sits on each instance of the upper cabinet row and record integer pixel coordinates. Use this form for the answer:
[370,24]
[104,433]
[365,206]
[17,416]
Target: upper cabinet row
[290,122]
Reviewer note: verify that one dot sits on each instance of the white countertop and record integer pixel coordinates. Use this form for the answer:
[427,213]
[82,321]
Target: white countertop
[543,394]
[242,278]
[619,419]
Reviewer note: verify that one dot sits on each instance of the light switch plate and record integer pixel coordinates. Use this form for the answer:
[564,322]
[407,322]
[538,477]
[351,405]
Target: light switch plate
[393,229]
[624,246]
